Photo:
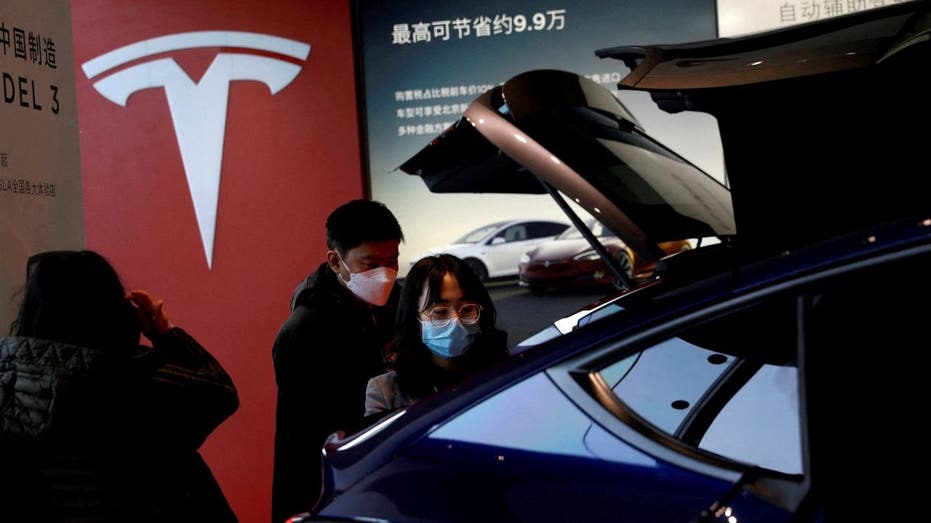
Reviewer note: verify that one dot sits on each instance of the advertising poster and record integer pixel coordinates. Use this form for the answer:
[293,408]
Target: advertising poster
[740,17]
[424,62]
[216,137]
[40,165]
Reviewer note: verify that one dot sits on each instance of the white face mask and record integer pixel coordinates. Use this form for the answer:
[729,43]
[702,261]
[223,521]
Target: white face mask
[373,286]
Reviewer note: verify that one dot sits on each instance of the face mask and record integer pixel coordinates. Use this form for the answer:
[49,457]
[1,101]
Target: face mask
[374,286]
[450,341]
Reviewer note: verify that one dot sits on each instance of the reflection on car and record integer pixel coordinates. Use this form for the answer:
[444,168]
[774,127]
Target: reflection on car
[774,376]
[494,250]
[569,261]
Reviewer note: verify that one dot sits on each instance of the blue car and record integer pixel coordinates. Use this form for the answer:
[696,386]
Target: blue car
[772,375]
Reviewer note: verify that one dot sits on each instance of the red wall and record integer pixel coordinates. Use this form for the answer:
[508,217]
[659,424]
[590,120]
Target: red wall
[288,160]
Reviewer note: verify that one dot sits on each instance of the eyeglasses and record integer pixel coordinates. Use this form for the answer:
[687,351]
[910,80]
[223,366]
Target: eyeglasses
[440,316]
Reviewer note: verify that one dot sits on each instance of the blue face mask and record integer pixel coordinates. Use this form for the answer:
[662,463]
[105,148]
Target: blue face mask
[450,341]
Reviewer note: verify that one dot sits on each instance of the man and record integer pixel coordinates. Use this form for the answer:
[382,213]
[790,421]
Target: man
[342,319]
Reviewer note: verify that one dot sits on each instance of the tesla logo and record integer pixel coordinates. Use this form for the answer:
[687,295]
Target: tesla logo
[198,110]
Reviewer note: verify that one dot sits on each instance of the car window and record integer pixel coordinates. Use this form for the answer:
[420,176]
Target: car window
[597,228]
[721,387]
[514,233]
[476,235]
[544,229]
[607,310]
[570,234]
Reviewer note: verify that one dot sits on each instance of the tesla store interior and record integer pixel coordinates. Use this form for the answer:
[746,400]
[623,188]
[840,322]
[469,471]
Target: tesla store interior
[517,260]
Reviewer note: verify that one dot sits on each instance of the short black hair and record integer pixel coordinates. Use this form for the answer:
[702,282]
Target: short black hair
[360,221]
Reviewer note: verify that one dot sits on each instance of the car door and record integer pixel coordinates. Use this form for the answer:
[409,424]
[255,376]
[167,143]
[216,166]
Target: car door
[616,427]
[503,250]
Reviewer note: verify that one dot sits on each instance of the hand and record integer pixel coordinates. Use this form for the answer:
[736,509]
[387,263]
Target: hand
[151,313]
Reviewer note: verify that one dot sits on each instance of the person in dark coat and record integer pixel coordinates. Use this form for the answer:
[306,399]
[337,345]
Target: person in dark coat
[94,426]
[445,333]
[341,321]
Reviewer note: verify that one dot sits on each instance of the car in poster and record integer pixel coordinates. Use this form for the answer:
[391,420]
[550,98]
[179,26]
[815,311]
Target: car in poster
[770,377]
[494,250]
[569,261]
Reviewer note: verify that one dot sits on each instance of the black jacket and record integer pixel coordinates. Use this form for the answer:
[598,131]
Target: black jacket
[324,355]
[93,436]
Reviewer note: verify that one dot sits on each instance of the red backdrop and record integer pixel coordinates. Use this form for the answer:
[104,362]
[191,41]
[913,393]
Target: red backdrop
[288,159]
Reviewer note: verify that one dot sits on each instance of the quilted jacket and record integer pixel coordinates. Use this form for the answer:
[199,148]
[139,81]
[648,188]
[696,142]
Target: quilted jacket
[88,435]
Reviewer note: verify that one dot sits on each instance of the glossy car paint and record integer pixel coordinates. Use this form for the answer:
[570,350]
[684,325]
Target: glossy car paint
[523,452]
[520,435]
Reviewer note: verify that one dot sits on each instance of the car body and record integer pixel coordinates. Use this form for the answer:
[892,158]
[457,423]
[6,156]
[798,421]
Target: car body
[494,250]
[774,376]
[569,261]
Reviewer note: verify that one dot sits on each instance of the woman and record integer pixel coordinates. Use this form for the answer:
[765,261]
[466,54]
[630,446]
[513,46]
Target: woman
[95,426]
[445,332]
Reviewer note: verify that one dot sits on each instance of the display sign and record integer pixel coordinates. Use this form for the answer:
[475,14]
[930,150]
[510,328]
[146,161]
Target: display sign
[424,62]
[40,164]
[740,17]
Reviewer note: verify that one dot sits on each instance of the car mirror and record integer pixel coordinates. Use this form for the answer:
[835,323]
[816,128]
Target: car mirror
[497,240]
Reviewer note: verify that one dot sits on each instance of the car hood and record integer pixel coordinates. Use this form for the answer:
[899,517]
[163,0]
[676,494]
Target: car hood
[799,148]
[563,249]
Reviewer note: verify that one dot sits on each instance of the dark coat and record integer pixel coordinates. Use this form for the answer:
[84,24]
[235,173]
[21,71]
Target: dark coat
[324,355]
[94,436]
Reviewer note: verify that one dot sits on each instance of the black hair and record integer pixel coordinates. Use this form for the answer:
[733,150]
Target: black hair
[417,374]
[358,222]
[76,297]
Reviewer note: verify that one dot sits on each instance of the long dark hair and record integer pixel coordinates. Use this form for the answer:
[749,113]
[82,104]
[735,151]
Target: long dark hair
[416,372]
[76,297]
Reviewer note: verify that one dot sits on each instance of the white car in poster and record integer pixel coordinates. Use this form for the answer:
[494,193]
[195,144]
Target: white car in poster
[494,250]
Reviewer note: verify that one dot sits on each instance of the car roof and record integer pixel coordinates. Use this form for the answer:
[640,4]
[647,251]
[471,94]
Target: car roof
[505,223]
[497,225]
[817,136]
